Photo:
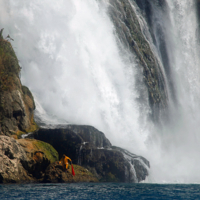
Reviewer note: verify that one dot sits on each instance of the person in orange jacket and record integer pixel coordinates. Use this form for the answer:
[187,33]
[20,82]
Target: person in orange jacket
[64,161]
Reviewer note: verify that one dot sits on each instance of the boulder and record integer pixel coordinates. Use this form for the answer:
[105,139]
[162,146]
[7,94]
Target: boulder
[55,174]
[13,161]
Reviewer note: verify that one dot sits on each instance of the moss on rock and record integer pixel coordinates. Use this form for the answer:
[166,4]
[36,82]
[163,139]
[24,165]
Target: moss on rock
[32,145]
[16,101]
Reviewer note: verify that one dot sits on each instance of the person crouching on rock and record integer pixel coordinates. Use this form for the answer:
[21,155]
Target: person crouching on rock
[64,161]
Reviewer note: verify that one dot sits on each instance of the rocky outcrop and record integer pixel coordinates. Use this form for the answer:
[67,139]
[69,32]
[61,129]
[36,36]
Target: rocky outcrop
[88,147]
[68,139]
[29,160]
[13,161]
[16,101]
[24,160]
[114,164]
[55,174]
[40,156]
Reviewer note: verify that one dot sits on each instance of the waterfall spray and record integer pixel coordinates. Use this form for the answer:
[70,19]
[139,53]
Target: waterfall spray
[72,63]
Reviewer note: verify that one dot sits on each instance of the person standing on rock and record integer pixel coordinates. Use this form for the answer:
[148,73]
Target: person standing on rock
[64,161]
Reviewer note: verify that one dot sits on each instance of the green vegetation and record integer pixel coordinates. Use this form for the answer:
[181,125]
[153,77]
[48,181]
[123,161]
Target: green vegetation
[48,150]
[9,67]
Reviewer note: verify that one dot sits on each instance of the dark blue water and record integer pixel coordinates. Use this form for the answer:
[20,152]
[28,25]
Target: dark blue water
[99,191]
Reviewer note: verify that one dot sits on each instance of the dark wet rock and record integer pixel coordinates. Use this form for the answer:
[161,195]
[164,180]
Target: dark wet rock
[64,141]
[141,165]
[107,163]
[91,135]
[114,165]
[69,139]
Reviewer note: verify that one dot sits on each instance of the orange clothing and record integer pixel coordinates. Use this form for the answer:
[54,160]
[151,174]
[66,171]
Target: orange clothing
[64,161]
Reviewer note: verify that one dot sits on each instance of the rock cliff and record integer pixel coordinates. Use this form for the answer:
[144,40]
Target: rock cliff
[16,101]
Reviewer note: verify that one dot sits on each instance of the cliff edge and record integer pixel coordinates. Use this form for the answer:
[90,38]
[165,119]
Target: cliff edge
[16,101]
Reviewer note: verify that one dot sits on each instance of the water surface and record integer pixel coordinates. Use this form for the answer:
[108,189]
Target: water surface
[100,191]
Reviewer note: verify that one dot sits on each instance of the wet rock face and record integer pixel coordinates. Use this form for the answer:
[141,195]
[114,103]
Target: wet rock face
[91,135]
[13,161]
[114,164]
[108,165]
[69,139]
[16,101]
[130,34]
[138,165]
[17,114]
[63,140]
[88,147]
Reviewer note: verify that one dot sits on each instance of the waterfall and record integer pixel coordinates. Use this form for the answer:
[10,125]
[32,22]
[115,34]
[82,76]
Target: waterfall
[174,31]
[73,63]
[80,72]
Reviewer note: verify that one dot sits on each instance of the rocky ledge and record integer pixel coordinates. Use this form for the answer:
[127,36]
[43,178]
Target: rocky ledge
[35,158]
[29,160]
[88,147]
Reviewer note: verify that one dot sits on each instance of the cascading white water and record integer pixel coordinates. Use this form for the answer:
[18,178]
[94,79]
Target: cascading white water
[178,141]
[71,62]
